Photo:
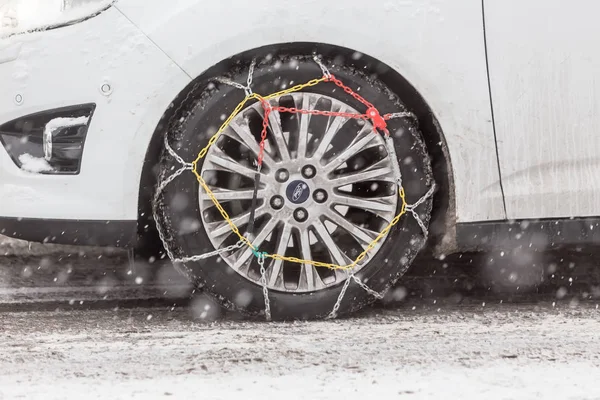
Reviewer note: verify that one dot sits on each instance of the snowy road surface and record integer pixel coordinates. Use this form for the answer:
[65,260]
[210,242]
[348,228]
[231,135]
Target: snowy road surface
[464,352]
[429,347]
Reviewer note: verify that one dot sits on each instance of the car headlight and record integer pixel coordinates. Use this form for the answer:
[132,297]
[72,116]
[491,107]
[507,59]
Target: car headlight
[18,16]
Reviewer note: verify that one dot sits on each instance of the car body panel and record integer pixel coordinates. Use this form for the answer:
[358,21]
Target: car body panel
[149,53]
[107,48]
[545,86]
[437,45]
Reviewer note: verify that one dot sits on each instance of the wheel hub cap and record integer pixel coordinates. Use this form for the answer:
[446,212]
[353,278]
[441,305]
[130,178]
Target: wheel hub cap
[327,189]
[297,192]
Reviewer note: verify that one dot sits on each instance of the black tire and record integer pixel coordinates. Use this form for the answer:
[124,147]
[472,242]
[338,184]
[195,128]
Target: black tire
[215,276]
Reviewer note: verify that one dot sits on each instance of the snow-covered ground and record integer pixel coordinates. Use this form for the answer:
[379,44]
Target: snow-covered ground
[427,348]
[469,352]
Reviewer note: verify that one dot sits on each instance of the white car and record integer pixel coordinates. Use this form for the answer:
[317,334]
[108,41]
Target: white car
[107,109]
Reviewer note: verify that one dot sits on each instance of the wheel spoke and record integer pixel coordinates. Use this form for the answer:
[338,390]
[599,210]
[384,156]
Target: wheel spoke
[341,275]
[242,263]
[303,128]
[358,146]
[223,195]
[363,235]
[282,147]
[220,230]
[333,128]
[258,240]
[243,134]
[380,174]
[313,280]
[338,257]
[281,250]
[381,204]
[220,161]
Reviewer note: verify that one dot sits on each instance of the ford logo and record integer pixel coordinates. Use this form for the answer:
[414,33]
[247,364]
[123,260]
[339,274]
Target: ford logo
[297,194]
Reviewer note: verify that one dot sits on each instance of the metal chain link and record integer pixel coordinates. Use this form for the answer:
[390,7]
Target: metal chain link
[338,303]
[403,114]
[163,183]
[263,282]
[412,209]
[324,69]
[185,100]
[172,152]
[213,253]
[420,222]
[392,153]
[423,198]
[229,82]
[155,205]
[248,88]
[249,80]
[366,288]
[294,110]
[333,314]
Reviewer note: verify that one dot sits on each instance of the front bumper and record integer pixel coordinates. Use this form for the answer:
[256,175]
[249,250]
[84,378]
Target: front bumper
[104,61]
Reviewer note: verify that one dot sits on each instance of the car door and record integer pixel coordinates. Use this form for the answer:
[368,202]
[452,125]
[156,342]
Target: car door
[544,67]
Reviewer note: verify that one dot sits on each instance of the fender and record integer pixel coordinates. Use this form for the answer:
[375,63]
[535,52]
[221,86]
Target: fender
[437,46]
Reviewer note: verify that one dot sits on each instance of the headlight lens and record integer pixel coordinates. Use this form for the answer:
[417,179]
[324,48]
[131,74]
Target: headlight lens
[17,16]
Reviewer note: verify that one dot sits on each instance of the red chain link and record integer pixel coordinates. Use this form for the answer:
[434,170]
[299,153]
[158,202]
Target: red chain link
[319,112]
[350,91]
[372,114]
[263,134]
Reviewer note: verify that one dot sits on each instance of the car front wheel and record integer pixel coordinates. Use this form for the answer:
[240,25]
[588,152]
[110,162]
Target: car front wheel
[328,187]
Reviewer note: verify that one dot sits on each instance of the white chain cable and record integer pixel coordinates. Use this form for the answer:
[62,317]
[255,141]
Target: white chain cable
[404,114]
[161,187]
[367,288]
[359,282]
[420,222]
[248,89]
[338,303]
[155,205]
[173,154]
[213,253]
[229,82]
[423,198]
[324,69]
[163,183]
[263,282]
[392,154]
[398,177]
[412,209]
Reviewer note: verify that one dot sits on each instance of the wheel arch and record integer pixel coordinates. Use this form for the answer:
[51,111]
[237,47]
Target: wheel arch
[442,227]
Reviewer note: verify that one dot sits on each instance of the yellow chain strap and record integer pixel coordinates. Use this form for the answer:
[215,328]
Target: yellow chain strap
[232,225]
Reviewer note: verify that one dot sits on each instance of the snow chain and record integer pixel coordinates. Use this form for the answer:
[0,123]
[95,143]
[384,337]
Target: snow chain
[379,125]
